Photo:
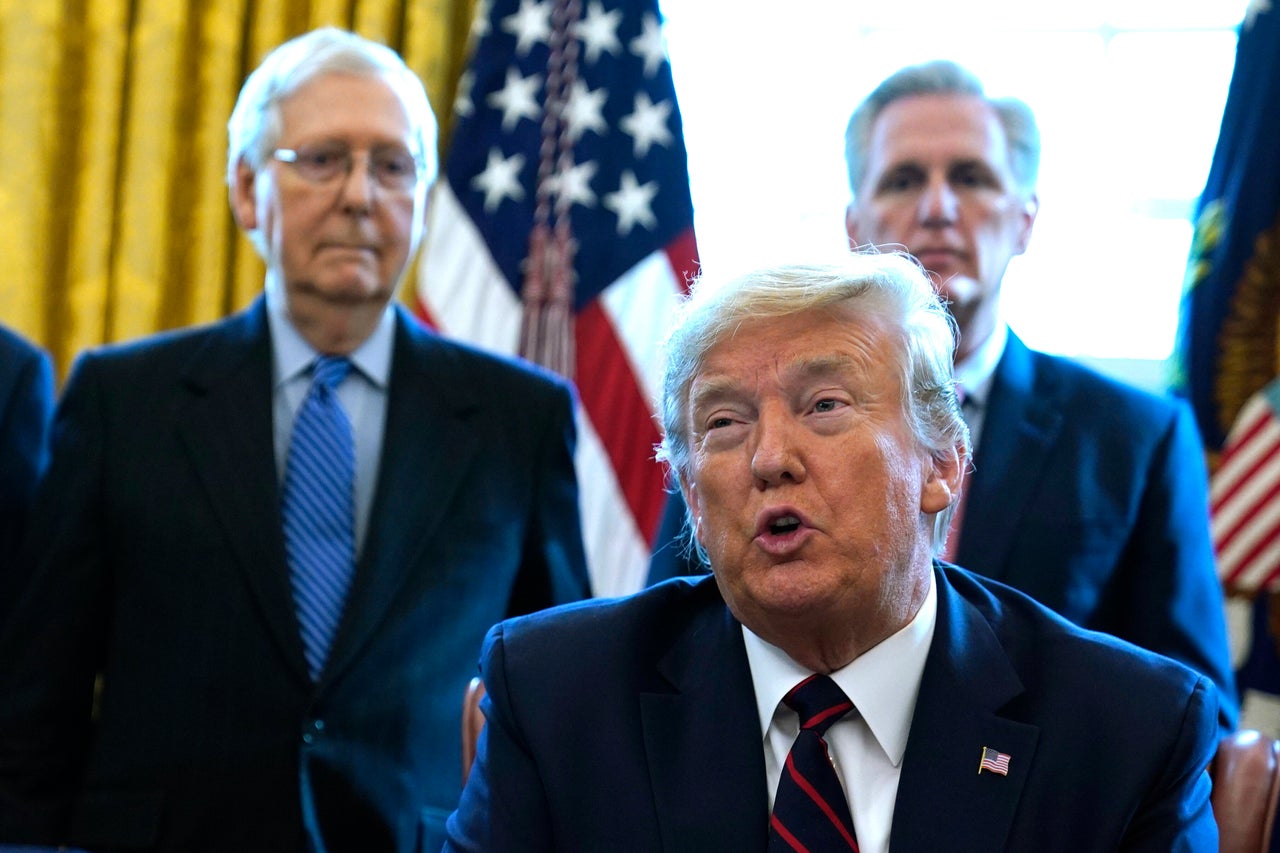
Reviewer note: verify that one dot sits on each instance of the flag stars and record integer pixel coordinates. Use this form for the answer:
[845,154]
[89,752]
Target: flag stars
[500,179]
[584,110]
[518,98]
[599,31]
[649,45]
[633,203]
[573,185]
[530,24]
[647,124]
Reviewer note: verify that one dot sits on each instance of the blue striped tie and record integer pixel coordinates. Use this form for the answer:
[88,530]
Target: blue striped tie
[318,509]
[810,811]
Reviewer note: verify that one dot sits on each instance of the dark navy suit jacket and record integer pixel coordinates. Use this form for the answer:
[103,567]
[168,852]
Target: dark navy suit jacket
[26,404]
[631,724]
[159,562]
[1091,497]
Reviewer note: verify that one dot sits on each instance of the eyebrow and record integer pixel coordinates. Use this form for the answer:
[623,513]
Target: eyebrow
[718,387]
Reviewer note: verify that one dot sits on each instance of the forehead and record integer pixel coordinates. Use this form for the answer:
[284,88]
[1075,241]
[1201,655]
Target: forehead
[824,342]
[345,105]
[934,128]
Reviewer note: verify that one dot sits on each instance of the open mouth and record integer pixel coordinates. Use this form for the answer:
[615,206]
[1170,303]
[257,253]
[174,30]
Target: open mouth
[783,525]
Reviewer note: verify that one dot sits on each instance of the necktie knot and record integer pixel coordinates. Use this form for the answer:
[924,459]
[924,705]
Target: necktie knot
[328,371]
[819,701]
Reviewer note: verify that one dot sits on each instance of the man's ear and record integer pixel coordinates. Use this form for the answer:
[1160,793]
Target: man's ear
[851,225]
[943,481]
[1030,208]
[692,501]
[244,196]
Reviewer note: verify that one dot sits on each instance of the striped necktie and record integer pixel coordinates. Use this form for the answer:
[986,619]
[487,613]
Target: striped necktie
[318,509]
[810,812]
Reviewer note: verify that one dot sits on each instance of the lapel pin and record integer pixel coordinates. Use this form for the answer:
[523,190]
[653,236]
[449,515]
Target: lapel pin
[996,762]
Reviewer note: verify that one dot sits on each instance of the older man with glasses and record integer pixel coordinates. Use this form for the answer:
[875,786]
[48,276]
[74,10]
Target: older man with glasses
[275,543]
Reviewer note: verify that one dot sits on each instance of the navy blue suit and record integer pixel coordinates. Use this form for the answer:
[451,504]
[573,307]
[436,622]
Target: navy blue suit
[26,404]
[1091,497]
[631,724]
[159,562]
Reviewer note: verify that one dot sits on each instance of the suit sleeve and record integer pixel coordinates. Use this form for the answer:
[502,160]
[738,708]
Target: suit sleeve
[1176,604]
[554,566]
[24,432]
[1177,814]
[503,806]
[50,644]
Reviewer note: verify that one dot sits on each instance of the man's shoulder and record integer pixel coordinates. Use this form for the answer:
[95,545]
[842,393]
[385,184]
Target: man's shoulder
[1091,391]
[656,609]
[472,362]
[1052,654]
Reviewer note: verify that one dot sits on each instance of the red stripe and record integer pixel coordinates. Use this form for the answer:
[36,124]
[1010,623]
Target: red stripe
[682,254]
[1235,450]
[1247,561]
[820,802]
[792,841]
[422,312]
[822,715]
[1224,538]
[619,410]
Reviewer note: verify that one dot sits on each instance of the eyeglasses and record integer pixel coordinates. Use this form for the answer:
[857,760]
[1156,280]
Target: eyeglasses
[323,162]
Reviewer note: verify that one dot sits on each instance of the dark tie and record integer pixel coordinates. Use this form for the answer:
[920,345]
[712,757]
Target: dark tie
[810,812]
[318,510]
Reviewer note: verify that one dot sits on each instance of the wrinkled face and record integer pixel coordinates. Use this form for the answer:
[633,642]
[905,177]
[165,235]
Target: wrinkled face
[938,181]
[342,244]
[807,488]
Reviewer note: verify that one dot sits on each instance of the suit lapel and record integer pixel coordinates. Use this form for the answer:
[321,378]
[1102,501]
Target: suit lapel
[702,736]
[967,679]
[1022,421]
[426,450]
[224,421]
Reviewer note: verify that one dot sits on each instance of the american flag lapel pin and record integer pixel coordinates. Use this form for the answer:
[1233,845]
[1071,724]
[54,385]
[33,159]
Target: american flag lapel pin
[993,760]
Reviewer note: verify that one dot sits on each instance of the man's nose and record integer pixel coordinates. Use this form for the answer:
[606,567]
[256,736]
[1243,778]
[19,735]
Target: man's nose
[358,183]
[776,458]
[938,204]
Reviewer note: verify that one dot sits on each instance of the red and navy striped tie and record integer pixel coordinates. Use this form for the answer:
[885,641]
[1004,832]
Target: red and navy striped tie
[317,504]
[810,812]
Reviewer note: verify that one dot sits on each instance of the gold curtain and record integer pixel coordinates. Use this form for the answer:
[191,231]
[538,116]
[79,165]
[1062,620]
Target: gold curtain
[114,220]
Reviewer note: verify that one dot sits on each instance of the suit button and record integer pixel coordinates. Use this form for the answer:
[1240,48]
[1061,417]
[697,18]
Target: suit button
[313,730]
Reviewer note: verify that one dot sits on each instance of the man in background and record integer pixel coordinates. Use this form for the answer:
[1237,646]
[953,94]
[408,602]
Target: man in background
[1087,494]
[276,542]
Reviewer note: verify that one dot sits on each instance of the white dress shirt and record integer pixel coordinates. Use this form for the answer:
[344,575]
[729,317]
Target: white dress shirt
[867,744]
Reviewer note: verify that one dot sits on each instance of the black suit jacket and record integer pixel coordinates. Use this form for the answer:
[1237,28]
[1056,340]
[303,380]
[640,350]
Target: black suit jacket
[26,403]
[631,724]
[1091,497]
[158,562]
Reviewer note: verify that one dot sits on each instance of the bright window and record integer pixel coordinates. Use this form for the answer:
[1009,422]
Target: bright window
[1128,93]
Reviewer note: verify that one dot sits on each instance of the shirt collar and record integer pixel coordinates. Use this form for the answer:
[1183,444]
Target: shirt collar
[975,372]
[293,355]
[883,682]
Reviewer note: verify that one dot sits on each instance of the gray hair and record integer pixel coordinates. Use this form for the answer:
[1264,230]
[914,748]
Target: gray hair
[890,286]
[254,127]
[942,77]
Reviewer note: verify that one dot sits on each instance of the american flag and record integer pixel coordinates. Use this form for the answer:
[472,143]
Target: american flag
[996,762]
[562,231]
[1245,497]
